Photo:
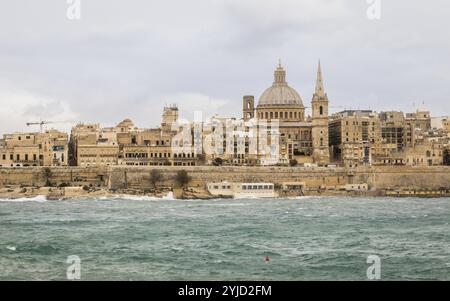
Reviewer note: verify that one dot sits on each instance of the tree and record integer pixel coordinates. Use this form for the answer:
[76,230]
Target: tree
[217,161]
[155,177]
[182,178]
[447,157]
[47,173]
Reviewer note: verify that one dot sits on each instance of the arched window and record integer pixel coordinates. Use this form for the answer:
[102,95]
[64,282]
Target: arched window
[321,110]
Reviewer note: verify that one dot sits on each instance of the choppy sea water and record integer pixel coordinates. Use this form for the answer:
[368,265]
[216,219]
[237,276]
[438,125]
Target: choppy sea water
[308,238]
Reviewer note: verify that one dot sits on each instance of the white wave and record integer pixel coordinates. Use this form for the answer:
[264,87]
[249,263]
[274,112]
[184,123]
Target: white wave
[11,248]
[39,199]
[253,197]
[306,197]
[169,196]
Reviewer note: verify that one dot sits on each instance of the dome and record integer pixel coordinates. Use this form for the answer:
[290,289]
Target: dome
[280,93]
[126,123]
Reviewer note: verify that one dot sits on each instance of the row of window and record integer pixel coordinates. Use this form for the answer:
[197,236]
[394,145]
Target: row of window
[18,157]
[285,115]
[256,187]
[222,187]
[160,163]
[158,155]
[26,137]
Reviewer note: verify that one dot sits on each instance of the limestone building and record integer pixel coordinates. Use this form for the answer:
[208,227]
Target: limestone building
[163,145]
[92,145]
[34,149]
[354,136]
[300,139]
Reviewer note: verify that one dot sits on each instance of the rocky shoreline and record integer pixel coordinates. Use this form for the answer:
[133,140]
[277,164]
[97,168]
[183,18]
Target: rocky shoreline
[60,193]
[185,193]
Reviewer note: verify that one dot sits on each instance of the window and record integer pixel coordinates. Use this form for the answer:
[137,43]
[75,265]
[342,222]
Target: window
[4,157]
[321,110]
[26,157]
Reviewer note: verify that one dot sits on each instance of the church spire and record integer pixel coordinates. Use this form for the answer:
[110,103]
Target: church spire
[319,82]
[320,90]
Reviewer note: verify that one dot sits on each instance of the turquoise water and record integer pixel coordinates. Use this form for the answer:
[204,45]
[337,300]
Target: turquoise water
[307,238]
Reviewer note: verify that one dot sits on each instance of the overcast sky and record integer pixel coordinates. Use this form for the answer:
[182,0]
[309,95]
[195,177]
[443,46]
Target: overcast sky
[130,58]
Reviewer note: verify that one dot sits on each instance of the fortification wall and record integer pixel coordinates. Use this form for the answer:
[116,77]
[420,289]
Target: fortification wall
[139,177]
[38,176]
[404,177]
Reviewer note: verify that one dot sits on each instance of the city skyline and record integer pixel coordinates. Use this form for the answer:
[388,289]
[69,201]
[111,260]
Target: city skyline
[129,61]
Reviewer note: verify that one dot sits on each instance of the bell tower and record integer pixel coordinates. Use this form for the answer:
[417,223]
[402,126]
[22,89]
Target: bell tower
[319,105]
[248,107]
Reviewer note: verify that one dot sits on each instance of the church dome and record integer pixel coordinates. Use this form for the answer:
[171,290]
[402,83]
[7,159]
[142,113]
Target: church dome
[280,93]
[126,123]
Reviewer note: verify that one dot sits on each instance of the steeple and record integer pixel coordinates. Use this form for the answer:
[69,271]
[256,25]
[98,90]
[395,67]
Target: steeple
[319,93]
[280,74]
[319,130]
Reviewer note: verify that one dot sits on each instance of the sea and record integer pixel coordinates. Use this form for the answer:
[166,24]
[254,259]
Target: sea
[304,238]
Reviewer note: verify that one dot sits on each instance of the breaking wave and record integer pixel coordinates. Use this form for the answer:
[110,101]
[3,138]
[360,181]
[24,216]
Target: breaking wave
[168,197]
[39,199]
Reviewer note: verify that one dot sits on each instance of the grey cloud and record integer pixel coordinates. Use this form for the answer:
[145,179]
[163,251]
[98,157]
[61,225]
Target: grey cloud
[127,59]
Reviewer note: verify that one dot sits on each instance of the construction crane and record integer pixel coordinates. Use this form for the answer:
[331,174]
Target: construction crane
[40,123]
[43,122]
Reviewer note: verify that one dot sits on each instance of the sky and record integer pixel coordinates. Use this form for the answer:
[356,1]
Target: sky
[128,59]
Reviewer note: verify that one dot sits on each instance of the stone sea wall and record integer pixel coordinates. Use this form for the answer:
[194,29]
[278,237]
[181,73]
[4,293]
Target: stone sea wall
[39,176]
[117,177]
